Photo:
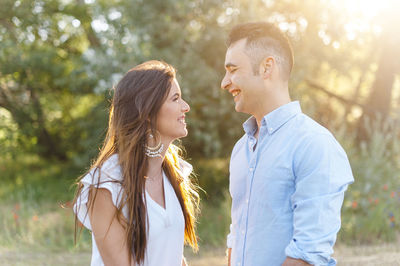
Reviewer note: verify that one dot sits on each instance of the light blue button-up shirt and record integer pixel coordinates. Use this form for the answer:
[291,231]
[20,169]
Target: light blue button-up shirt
[287,190]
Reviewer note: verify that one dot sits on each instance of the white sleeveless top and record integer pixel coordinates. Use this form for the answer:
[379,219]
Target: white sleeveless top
[166,226]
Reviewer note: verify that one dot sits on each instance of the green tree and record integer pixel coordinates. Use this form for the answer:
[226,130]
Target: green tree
[44,75]
[58,60]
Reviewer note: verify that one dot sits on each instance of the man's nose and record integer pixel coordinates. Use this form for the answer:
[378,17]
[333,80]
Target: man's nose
[225,83]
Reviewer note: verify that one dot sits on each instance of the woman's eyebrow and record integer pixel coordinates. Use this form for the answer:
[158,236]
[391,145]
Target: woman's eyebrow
[175,94]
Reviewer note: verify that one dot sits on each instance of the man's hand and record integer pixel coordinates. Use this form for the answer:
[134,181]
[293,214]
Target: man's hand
[294,262]
[228,253]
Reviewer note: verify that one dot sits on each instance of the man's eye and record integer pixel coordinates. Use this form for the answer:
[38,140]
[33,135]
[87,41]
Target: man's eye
[232,70]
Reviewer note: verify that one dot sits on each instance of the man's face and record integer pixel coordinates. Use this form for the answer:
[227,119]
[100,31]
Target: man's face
[240,81]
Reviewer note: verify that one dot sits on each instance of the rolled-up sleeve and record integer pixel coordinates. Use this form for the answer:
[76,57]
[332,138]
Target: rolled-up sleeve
[229,238]
[322,175]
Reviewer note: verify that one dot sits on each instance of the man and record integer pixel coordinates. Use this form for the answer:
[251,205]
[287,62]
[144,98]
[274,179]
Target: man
[288,174]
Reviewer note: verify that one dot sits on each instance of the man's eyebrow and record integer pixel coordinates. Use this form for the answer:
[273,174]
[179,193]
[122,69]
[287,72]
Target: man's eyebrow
[229,65]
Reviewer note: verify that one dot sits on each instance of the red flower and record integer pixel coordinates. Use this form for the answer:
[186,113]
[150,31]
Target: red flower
[385,187]
[354,204]
[67,204]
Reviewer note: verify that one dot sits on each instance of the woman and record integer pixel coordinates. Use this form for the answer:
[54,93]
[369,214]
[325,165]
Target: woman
[137,199]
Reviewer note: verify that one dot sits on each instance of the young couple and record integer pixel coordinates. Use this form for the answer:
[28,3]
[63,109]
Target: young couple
[288,174]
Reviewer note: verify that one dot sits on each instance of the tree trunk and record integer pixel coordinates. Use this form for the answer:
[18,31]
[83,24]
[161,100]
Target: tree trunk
[380,97]
[30,121]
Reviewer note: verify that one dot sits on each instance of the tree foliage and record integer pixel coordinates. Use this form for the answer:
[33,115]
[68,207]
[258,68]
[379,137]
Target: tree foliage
[58,60]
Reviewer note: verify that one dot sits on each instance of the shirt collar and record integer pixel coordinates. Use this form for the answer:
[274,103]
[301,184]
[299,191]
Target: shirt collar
[250,126]
[274,119]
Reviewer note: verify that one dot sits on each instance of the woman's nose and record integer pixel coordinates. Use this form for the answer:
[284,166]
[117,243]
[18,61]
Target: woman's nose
[185,107]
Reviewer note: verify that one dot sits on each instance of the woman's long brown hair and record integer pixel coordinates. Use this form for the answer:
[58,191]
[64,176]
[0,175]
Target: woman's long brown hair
[136,102]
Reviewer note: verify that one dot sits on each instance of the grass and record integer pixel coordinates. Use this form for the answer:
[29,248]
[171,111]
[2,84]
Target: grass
[214,222]
[382,255]
[33,191]
[36,227]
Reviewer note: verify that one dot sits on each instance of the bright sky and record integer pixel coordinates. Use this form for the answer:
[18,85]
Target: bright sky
[364,16]
[366,10]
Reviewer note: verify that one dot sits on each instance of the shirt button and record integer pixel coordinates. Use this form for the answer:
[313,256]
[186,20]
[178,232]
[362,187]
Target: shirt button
[247,200]
[251,169]
[242,232]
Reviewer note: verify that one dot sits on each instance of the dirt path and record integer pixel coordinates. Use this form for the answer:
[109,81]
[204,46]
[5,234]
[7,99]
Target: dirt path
[382,255]
[387,254]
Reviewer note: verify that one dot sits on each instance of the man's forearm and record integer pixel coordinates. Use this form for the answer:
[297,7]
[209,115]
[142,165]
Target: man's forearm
[294,262]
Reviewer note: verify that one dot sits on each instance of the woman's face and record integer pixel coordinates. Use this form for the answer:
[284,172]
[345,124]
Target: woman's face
[171,117]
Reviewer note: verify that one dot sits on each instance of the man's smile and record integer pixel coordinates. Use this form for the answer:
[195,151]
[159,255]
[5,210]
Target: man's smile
[235,92]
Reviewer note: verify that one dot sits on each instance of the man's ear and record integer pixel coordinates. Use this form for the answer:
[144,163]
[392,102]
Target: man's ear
[266,67]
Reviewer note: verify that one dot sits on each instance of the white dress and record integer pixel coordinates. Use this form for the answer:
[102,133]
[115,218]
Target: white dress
[166,226]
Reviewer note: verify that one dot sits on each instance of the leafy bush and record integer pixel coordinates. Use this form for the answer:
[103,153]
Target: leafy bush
[371,209]
[213,177]
[214,221]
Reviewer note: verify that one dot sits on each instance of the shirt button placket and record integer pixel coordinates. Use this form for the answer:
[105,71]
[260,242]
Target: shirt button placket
[246,207]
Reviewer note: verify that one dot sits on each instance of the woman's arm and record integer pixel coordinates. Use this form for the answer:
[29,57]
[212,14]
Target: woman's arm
[229,252]
[109,234]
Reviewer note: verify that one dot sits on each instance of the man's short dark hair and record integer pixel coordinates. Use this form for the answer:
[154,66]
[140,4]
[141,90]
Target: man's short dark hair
[264,39]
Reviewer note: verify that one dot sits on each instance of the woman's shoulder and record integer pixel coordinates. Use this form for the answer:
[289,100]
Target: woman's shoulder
[107,176]
[109,171]
[111,165]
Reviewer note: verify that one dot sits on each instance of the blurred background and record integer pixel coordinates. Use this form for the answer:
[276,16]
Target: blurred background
[59,59]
